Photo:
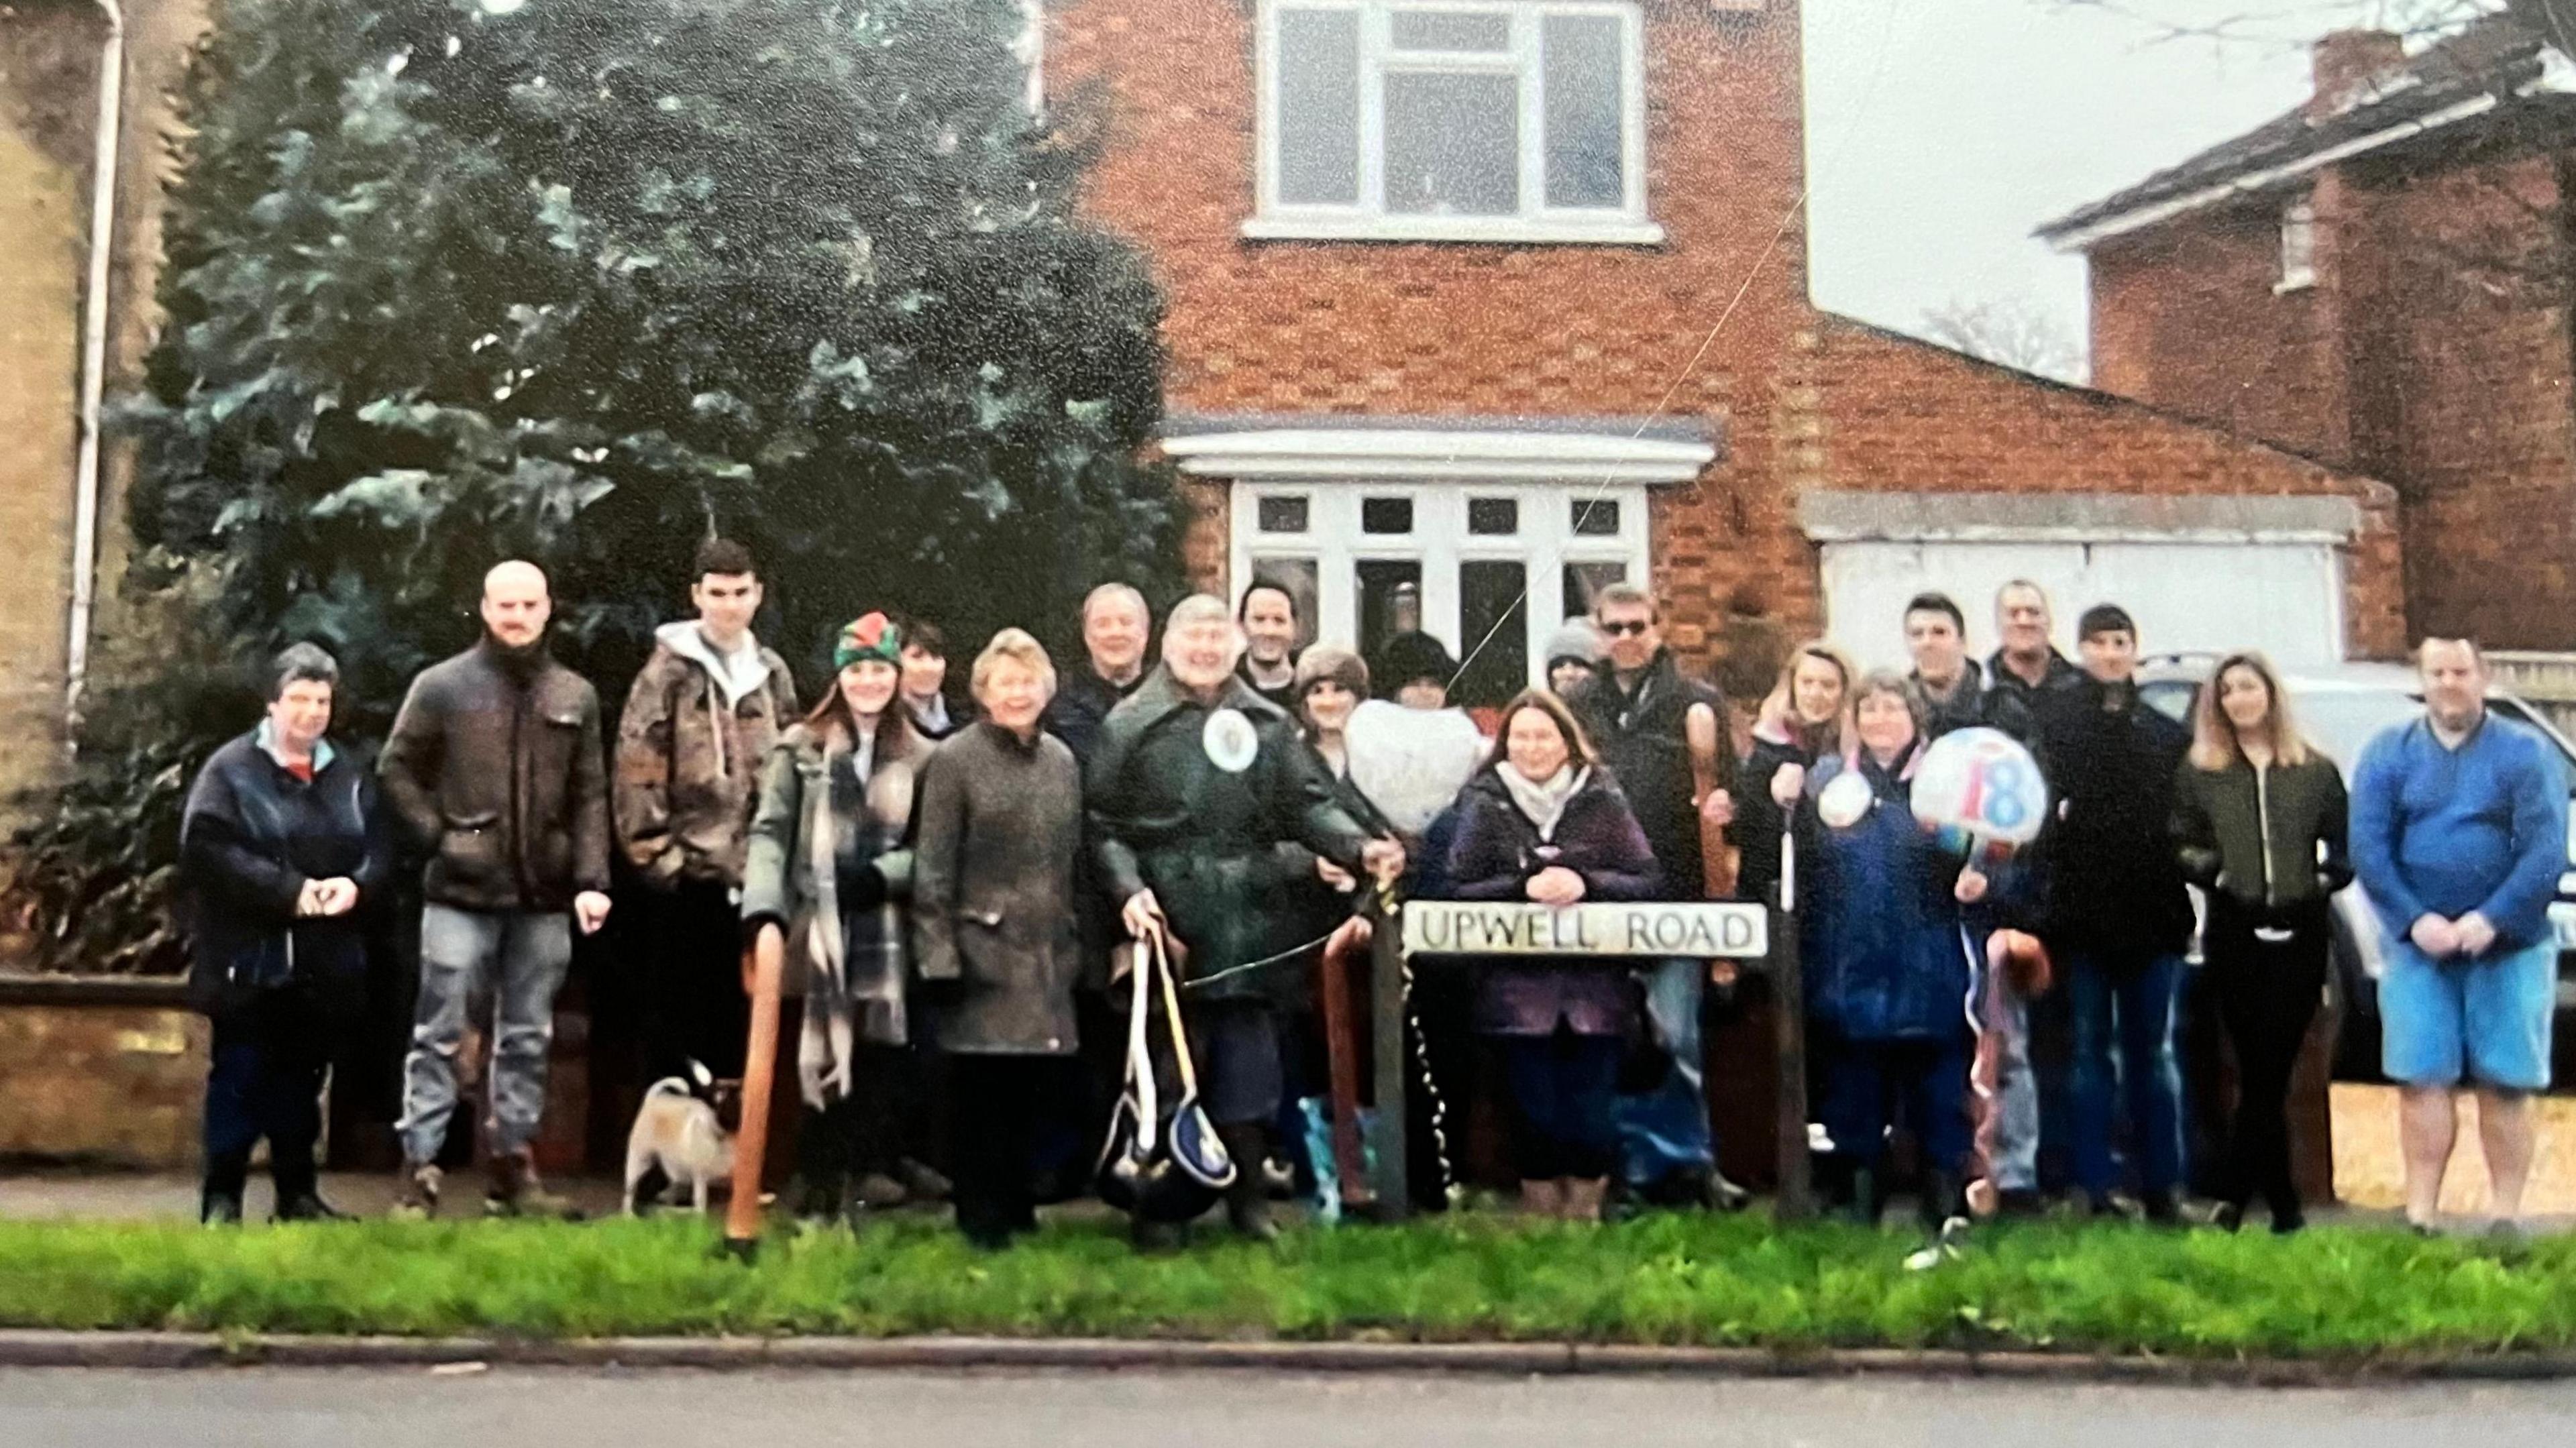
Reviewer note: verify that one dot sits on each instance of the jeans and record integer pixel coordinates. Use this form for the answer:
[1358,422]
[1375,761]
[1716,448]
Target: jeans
[517,960]
[1926,1080]
[1562,1089]
[2124,1048]
[2012,1147]
[1665,1132]
[2268,991]
[266,1081]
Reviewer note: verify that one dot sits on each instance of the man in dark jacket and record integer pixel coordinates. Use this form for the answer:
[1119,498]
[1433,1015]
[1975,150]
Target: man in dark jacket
[698,722]
[1115,629]
[1951,686]
[2118,915]
[494,765]
[1268,617]
[1203,809]
[1666,740]
[2027,676]
[281,841]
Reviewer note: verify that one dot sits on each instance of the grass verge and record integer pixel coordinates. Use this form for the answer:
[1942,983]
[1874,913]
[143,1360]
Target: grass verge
[2331,1293]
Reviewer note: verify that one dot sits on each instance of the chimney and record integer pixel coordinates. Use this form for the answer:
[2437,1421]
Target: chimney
[2346,62]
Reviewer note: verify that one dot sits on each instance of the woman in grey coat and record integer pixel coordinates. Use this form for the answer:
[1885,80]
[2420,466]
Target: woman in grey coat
[993,931]
[830,868]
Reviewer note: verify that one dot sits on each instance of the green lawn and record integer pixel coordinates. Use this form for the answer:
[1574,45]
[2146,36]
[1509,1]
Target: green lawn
[2334,1292]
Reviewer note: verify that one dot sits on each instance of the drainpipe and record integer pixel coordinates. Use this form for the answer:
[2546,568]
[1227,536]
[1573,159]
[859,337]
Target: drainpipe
[93,364]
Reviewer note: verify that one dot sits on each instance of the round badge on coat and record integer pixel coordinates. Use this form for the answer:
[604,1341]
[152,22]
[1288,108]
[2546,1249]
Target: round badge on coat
[1230,740]
[1844,799]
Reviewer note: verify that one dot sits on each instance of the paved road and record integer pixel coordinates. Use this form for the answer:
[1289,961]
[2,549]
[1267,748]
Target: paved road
[290,1408]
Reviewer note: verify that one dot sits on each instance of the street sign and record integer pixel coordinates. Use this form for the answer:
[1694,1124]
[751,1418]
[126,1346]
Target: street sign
[1654,929]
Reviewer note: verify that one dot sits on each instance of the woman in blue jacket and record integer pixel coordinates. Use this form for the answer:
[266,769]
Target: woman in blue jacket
[1888,928]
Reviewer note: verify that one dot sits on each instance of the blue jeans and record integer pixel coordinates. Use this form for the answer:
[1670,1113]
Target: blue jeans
[1664,1132]
[2124,1048]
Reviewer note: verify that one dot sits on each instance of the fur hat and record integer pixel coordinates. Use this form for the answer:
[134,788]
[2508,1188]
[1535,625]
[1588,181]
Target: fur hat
[1578,641]
[1325,662]
[871,636]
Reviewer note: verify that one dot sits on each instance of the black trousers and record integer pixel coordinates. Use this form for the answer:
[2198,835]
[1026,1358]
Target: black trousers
[690,943]
[872,1128]
[266,1081]
[2267,994]
[997,1104]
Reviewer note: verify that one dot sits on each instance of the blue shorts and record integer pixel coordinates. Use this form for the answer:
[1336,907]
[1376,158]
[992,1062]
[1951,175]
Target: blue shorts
[2490,1016]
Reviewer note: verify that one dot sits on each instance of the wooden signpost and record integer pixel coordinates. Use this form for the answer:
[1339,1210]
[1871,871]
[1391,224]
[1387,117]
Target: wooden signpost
[1644,931]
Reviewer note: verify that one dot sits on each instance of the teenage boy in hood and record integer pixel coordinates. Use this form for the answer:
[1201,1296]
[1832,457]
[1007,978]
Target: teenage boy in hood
[698,722]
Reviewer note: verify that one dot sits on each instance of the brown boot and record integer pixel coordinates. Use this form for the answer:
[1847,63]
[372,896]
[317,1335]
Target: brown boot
[515,1190]
[1542,1197]
[416,1192]
[1583,1197]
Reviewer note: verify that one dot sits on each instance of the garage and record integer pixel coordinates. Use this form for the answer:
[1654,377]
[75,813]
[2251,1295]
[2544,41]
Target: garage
[2198,574]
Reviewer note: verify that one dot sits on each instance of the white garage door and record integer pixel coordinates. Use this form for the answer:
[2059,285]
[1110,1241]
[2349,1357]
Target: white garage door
[2285,598]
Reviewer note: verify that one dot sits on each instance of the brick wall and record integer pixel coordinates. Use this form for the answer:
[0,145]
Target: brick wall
[2434,351]
[1891,413]
[1361,328]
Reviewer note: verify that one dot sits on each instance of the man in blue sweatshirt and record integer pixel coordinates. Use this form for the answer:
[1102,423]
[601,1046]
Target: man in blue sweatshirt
[2459,833]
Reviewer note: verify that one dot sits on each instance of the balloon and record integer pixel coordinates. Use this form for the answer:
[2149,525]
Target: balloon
[1980,787]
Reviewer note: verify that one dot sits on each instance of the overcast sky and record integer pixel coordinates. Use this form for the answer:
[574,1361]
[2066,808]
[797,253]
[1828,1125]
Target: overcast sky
[1939,132]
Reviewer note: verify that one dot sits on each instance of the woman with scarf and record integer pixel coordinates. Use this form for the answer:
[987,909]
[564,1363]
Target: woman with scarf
[2259,825]
[1544,822]
[1889,922]
[1806,718]
[830,868]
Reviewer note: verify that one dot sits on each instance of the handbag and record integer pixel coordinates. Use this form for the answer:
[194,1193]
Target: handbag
[1163,1168]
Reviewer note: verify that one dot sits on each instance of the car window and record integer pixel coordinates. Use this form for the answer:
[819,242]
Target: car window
[2344,721]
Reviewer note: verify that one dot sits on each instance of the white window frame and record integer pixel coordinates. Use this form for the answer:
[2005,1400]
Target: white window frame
[1544,543]
[2298,248]
[1368,220]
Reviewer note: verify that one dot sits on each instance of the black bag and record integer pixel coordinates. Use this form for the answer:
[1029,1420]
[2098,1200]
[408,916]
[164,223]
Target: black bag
[1645,1060]
[1162,1166]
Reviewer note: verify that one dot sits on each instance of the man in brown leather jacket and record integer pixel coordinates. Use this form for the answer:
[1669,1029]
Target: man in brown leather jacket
[494,766]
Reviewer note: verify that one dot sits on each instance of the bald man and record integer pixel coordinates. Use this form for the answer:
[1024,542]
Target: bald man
[495,766]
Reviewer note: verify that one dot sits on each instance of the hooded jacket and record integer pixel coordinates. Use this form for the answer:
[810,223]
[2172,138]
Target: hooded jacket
[1885,942]
[495,765]
[689,750]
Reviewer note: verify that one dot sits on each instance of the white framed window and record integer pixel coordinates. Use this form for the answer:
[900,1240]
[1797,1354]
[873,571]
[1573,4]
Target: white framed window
[1452,120]
[1491,569]
[2298,248]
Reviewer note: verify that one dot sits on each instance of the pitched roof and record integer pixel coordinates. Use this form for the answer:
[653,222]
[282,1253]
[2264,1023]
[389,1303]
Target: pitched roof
[2499,60]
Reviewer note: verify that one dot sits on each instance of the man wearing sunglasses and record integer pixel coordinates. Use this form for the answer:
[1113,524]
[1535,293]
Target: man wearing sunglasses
[1666,740]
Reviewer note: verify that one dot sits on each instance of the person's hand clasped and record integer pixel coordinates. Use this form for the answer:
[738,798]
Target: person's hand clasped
[2475,933]
[1786,782]
[1971,887]
[308,900]
[337,896]
[1556,886]
[1383,860]
[590,911]
[2435,936]
[1141,915]
[1718,808]
[1335,876]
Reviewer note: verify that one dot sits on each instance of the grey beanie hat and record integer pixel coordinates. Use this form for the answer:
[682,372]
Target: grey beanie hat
[1578,639]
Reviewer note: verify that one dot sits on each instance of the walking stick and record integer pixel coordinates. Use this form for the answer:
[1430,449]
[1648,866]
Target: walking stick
[767,964]
[1341,1052]
[1796,1201]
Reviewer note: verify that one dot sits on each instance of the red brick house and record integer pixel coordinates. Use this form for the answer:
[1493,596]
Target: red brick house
[1478,299]
[2378,279]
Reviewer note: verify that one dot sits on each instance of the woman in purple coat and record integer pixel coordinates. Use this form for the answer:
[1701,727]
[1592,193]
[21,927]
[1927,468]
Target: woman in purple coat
[1543,821]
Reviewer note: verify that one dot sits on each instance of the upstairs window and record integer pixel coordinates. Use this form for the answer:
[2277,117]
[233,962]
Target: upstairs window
[1443,121]
[2298,248]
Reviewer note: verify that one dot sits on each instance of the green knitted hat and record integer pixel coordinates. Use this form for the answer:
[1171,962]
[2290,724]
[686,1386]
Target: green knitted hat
[872,636]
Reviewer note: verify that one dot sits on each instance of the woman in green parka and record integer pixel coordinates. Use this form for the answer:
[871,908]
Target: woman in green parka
[830,868]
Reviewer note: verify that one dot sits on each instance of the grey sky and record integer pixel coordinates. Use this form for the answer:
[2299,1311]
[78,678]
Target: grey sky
[1939,132]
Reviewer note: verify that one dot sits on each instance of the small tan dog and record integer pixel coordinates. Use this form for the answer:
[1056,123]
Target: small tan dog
[677,1130]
